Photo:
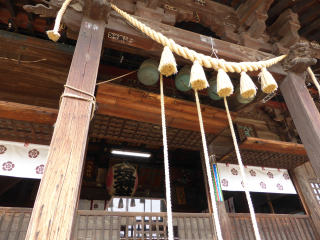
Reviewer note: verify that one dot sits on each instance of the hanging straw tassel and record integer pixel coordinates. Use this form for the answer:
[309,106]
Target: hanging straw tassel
[247,87]
[224,84]
[268,84]
[198,78]
[168,65]
[54,34]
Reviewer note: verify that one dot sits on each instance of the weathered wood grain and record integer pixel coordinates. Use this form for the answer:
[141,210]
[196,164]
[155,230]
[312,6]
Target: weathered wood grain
[273,146]
[55,207]
[273,226]
[305,116]
[28,113]
[300,177]
[131,103]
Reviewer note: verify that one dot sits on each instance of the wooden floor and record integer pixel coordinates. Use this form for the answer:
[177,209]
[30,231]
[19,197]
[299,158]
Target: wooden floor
[98,225]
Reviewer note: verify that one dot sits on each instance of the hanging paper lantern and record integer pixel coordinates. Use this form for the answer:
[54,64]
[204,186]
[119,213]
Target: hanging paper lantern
[182,80]
[148,72]
[122,180]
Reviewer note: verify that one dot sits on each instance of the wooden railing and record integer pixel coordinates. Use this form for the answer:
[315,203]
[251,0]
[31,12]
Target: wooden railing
[141,226]
[273,226]
[104,225]
[14,223]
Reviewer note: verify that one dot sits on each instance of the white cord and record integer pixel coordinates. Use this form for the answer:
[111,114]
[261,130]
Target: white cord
[166,162]
[252,214]
[207,162]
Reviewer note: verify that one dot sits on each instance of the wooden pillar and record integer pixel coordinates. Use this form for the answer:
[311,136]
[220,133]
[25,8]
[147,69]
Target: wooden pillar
[223,215]
[55,206]
[304,113]
[206,184]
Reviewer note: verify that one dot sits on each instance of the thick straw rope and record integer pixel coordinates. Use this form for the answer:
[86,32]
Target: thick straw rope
[54,34]
[253,216]
[315,81]
[205,61]
[166,162]
[207,162]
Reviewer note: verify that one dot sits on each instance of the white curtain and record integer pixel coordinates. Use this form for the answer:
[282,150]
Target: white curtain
[268,180]
[22,160]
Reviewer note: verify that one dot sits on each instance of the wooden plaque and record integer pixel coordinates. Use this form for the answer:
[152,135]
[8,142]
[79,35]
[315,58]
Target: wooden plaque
[246,130]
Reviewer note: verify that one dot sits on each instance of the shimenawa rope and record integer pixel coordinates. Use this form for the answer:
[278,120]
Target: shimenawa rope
[166,161]
[253,216]
[205,61]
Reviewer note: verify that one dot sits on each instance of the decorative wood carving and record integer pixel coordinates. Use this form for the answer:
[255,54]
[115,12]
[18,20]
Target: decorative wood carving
[252,16]
[226,33]
[300,57]
[246,40]
[42,10]
[285,28]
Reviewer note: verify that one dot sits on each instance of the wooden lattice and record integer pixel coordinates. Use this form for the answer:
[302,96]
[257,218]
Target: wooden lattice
[266,159]
[22,131]
[109,127]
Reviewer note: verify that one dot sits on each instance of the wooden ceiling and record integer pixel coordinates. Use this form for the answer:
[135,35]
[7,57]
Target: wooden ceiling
[121,129]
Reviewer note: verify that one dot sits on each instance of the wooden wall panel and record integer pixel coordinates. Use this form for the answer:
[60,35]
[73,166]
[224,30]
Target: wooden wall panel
[273,227]
[303,176]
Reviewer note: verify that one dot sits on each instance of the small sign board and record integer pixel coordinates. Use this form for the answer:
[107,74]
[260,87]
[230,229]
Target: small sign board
[246,130]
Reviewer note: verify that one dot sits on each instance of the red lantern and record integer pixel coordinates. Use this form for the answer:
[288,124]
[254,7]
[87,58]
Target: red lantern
[122,180]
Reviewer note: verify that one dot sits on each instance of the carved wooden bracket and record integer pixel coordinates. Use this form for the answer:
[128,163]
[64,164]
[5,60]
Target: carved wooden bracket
[285,28]
[300,57]
[72,18]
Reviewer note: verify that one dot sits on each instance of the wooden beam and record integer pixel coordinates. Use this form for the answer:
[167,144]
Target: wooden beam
[10,6]
[153,4]
[55,207]
[272,146]
[314,25]
[7,183]
[125,102]
[30,15]
[28,113]
[302,5]
[310,15]
[31,30]
[130,40]
[278,8]
[305,115]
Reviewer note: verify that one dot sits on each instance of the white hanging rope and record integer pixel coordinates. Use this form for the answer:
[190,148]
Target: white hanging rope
[315,81]
[207,162]
[166,162]
[252,214]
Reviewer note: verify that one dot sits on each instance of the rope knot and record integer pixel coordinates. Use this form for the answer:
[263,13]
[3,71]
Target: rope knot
[70,95]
